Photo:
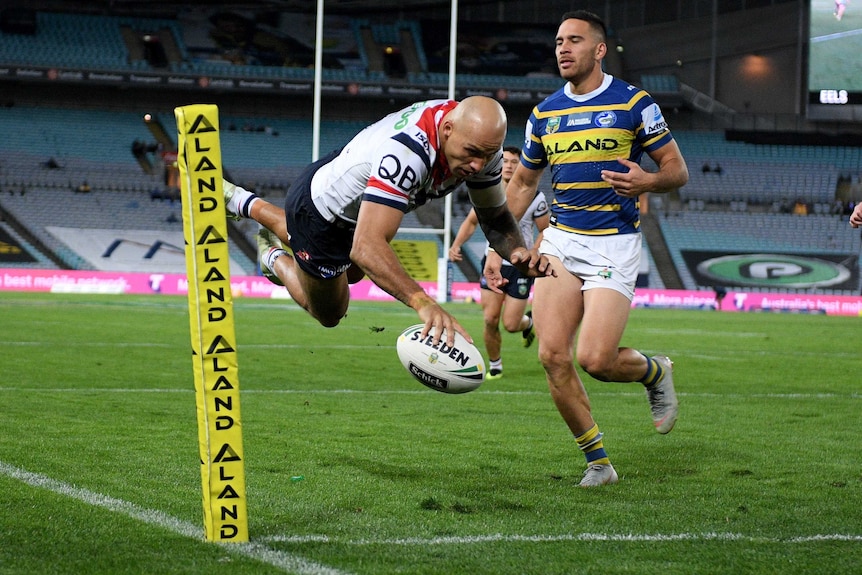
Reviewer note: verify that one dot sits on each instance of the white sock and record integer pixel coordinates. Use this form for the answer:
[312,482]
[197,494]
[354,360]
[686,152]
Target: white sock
[241,201]
[496,364]
[270,257]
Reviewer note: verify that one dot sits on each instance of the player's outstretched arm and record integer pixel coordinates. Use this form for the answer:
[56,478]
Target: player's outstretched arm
[376,226]
[505,238]
[468,227]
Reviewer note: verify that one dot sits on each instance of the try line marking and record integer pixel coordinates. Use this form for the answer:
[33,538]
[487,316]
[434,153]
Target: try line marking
[96,390]
[295,564]
[610,537]
[257,551]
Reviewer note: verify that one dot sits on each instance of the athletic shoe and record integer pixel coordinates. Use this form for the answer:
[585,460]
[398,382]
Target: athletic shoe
[529,334]
[494,374]
[662,397]
[229,190]
[597,475]
[266,242]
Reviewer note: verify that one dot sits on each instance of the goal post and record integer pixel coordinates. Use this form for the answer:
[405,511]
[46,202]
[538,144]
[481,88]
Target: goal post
[211,323]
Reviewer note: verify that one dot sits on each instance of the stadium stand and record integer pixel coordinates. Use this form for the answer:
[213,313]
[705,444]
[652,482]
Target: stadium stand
[753,232]
[125,43]
[725,208]
[763,174]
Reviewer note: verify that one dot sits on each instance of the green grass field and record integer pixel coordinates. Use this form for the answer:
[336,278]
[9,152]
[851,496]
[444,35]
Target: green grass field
[99,467]
[835,47]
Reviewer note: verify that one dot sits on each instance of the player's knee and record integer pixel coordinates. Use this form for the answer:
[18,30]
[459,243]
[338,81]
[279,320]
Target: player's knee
[328,317]
[512,325]
[597,364]
[554,359]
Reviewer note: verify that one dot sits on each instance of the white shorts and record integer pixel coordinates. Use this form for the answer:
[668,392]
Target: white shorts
[611,262]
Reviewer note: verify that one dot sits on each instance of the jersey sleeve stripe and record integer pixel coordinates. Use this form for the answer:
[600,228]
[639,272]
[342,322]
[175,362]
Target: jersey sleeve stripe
[400,206]
[380,187]
[482,185]
[414,147]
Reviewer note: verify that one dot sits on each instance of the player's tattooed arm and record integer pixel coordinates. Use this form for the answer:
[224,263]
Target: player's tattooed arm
[501,230]
[505,238]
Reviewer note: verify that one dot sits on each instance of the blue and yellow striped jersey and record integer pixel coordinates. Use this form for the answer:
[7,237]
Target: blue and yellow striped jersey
[578,137]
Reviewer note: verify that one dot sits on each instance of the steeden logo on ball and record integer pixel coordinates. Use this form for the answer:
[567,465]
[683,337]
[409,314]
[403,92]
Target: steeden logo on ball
[450,369]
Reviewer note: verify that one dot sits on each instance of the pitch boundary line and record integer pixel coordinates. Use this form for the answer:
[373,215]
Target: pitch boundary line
[836,36]
[292,563]
[425,392]
[288,562]
[738,356]
[590,537]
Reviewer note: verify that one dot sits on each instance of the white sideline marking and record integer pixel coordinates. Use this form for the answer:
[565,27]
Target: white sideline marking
[835,36]
[420,391]
[256,551]
[295,564]
[499,537]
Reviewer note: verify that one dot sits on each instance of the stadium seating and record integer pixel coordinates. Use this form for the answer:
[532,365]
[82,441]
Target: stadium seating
[762,174]
[750,232]
[97,42]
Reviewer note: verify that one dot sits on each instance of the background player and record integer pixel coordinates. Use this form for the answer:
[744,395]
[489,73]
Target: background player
[512,304]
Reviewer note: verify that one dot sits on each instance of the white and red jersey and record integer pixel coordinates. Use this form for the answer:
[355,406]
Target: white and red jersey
[397,162]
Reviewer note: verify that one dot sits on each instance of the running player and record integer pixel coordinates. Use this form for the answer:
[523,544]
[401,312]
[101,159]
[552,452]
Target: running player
[592,133]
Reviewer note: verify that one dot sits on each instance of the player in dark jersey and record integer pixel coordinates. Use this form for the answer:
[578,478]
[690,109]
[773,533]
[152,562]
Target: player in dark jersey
[592,133]
[343,210]
[510,306]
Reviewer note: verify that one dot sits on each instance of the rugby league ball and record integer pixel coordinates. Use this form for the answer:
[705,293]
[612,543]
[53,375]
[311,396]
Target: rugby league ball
[456,369]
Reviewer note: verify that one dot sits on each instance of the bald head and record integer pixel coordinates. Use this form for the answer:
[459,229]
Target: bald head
[480,117]
[472,134]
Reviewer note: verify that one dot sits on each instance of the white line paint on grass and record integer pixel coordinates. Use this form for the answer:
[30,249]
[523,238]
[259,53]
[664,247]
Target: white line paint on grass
[291,563]
[609,537]
[253,550]
[419,391]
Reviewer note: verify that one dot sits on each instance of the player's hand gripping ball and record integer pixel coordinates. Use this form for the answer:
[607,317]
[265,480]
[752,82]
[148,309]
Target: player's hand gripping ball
[456,369]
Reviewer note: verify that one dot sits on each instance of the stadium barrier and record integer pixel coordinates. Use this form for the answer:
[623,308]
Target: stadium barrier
[68,281]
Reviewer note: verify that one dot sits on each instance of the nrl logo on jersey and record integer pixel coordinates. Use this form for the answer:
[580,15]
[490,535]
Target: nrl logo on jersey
[553,125]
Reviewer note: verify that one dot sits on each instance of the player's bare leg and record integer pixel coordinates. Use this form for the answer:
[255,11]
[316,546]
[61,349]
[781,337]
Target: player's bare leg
[492,304]
[605,318]
[271,217]
[557,312]
[241,203]
[514,319]
[325,299]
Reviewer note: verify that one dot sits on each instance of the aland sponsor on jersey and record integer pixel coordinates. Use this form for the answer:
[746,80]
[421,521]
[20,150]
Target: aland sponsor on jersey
[571,144]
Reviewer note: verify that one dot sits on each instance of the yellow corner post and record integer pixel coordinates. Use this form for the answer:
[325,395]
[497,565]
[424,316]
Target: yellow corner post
[211,324]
